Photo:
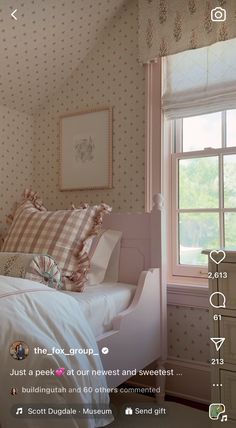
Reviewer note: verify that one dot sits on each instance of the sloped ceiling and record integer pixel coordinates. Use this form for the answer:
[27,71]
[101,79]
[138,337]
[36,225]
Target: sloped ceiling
[40,50]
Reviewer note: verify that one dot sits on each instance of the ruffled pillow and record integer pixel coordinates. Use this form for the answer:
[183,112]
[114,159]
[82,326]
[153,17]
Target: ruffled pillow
[36,267]
[65,235]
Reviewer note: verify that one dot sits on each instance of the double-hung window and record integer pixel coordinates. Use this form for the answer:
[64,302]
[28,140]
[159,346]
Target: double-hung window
[199,105]
[203,189]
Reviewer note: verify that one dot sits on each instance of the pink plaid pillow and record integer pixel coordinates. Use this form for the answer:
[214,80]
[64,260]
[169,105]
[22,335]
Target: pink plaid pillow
[64,235]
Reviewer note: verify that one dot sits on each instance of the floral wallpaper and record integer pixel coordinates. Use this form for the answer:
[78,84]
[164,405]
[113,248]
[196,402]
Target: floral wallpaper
[110,76]
[170,26]
[16,160]
[188,334]
[40,50]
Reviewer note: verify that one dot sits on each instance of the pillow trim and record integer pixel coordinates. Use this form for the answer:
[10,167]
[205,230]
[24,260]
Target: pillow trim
[79,277]
[28,195]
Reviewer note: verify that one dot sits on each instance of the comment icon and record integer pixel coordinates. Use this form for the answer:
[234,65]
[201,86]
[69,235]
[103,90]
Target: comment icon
[217,300]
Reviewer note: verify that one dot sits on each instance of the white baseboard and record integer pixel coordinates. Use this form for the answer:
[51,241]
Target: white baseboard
[195,382]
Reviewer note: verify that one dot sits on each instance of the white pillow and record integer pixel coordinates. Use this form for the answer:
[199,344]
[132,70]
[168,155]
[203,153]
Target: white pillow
[104,253]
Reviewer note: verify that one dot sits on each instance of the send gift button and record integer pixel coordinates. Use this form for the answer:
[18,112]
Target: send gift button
[138,409]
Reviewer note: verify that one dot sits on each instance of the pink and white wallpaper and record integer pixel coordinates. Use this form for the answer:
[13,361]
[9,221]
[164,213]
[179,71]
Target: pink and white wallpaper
[16,160]
[109,76]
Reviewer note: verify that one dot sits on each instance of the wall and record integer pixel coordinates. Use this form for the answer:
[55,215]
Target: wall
[189,352]
[188,331]
[16,160]
[109,76]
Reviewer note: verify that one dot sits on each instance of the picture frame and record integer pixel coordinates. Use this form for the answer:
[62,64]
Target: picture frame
[86,150]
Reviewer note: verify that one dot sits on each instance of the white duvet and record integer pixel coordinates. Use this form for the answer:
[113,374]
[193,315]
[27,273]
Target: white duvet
[44,318]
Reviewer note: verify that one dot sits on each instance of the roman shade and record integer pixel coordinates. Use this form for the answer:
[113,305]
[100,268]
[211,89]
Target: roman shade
[200,81]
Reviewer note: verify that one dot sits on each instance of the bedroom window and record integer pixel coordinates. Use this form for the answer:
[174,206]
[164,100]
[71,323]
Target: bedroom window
[199,156]
[203,189]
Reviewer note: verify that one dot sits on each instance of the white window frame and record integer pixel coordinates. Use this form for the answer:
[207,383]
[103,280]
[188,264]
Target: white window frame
[179,272]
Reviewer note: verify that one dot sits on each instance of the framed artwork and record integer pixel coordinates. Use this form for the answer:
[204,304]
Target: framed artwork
[86,150]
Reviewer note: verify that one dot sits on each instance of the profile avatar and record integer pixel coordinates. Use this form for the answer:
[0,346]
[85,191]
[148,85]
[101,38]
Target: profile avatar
[19,350]
[14,391]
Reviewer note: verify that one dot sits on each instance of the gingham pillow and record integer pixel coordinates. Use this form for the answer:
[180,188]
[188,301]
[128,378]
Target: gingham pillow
[64,235]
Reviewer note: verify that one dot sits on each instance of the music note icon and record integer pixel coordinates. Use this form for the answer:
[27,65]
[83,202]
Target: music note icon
[19,411]
[224,418]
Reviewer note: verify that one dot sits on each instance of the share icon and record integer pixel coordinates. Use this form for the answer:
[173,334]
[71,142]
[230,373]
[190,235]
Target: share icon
[218,342]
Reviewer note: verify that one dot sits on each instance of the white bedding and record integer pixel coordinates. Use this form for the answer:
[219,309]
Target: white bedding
[45,318]
[101,303]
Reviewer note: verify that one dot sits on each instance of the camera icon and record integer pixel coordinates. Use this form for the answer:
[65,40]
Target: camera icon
[218,14]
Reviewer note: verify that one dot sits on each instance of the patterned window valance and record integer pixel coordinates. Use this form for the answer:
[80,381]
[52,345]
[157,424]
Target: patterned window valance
[170,26]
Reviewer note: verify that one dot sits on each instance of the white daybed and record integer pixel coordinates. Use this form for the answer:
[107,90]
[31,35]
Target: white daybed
[138,336]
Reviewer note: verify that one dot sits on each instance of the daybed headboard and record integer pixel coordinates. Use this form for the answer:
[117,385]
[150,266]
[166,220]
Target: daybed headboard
[141,240]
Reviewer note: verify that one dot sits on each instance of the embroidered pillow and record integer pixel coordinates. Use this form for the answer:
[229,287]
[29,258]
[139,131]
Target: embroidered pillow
[65,235]
[36,267]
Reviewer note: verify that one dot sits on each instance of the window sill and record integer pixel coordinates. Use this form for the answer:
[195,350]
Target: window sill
[190,295]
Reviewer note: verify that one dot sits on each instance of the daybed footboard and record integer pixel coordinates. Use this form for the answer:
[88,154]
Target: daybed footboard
[135,340]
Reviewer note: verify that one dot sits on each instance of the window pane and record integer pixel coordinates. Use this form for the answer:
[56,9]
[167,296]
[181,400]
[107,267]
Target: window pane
[200,132]
[231,128]
[199,183]
[230,181]
[230,231]
[197,231]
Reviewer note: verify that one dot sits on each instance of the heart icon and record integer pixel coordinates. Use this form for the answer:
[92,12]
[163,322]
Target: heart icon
[217,256]
[60,372]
